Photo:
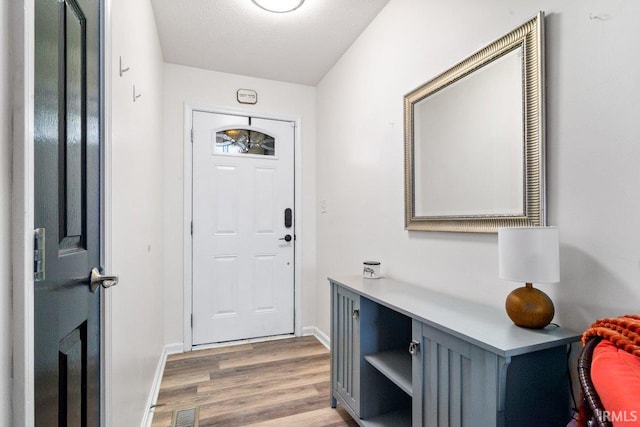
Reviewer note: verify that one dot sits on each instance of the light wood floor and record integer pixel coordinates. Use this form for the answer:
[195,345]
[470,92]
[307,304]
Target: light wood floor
[274,383]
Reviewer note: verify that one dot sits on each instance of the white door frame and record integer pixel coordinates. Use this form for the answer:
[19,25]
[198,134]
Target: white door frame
[22,47]
[188,214]
[22,15]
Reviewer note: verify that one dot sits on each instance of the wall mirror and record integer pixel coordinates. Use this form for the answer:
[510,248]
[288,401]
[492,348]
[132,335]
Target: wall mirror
[474,140]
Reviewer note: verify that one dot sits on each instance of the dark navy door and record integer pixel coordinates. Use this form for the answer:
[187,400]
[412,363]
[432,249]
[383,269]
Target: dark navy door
[67,132]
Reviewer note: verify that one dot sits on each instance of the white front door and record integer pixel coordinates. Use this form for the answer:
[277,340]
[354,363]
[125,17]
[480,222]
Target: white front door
[243,230]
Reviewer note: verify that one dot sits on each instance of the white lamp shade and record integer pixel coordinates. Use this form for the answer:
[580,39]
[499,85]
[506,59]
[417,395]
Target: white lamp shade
[529,254]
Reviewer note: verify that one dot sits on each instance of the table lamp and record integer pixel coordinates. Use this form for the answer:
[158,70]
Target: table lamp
[529,255]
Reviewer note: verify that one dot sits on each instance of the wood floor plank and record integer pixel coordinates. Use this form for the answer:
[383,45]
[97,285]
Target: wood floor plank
[245,392]
[263,387]
[269,356]
[209,352]
[187,379]
[171,394]
[255,375]
[284,382]
[184,366]
[278,398]
[162,419]
[286,404]
[320,417]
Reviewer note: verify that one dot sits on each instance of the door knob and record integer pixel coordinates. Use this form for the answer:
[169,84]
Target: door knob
[286,238]
[414,347]
[98,279]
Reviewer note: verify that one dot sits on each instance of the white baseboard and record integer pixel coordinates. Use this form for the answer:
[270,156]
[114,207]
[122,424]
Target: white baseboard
[175,348]
[157,379]
[308,330]
[321,336]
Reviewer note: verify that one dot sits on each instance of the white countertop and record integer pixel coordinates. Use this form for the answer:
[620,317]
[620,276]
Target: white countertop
[485,326]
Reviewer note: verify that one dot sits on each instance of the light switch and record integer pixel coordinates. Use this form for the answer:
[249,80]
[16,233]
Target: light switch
[323,206]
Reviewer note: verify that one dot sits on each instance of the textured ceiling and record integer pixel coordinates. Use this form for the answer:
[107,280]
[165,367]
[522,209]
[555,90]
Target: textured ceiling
[236,36]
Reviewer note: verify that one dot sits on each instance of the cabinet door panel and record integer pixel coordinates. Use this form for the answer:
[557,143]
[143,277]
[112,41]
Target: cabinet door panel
[417,375]
[346,343]
[458,382]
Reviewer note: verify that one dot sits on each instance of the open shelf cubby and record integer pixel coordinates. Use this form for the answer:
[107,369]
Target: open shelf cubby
[396,365]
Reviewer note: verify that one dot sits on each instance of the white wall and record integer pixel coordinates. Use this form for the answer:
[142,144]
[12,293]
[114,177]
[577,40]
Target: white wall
[137,210]
[593,86]
[198,87]
[5,219]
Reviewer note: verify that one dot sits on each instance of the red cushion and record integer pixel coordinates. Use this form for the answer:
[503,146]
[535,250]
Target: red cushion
[616,377]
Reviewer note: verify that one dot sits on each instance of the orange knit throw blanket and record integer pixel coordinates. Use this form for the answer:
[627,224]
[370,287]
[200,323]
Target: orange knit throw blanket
[623,332]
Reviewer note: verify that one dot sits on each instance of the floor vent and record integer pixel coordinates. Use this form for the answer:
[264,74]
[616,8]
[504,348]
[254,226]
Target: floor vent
[185,418]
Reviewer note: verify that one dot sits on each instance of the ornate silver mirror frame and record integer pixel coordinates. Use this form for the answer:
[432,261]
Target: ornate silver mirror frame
[474,140]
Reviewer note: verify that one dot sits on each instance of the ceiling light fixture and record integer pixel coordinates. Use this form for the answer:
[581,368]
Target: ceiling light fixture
[278,6]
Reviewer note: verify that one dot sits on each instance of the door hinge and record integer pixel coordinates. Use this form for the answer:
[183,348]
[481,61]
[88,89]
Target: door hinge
[39,249]
[191,320]
[192,228]
[191,135]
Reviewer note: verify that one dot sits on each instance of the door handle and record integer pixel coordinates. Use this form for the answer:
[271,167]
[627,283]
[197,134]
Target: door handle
[286,238]
[288,217]
[97,279]
[414,347]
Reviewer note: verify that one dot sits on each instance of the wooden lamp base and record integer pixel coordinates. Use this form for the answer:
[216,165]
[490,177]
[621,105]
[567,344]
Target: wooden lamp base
[529,307]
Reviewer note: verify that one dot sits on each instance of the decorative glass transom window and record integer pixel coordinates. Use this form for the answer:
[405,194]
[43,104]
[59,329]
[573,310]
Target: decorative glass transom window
[245,141]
